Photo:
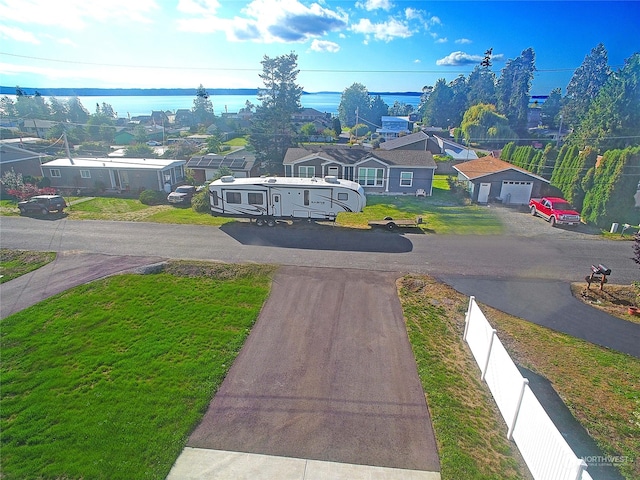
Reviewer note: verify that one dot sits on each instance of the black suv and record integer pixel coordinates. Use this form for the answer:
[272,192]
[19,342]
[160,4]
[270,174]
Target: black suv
[42,204]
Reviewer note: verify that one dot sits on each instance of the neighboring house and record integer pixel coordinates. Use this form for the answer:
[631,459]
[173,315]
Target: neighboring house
[378,171]
[311,115]
[393,127]
[21,160]
[240,162]
[118,174]
[414,141]
[490,178]
[184,117]
[454,150]
[123,138]
[37,127]
[158,117]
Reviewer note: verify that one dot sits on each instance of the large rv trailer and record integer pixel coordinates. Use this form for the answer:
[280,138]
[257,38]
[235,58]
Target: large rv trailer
[266,199]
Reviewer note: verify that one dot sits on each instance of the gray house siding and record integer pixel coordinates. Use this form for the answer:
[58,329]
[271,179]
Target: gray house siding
[109,178]
[496,180]
[422,178]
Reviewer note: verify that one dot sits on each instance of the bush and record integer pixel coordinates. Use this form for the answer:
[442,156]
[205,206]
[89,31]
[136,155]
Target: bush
[200,202]
[152,197]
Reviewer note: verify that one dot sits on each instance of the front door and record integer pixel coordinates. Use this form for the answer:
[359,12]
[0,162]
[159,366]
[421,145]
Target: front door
[275,205]
[483,192]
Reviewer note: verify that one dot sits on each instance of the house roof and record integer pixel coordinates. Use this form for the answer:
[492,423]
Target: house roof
[237,160]
[405,140]
[481,167]
[120,163]
[352,156]
[12,153]
[455,150]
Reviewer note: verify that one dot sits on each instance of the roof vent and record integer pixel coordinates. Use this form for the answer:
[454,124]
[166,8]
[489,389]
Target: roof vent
[227,179]
[331,179]
[272,180]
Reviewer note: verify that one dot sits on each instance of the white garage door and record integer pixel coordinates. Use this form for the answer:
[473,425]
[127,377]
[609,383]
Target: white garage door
[518,193]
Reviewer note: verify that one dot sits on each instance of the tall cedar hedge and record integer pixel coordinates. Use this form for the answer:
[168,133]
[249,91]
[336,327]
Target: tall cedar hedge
[611,187]
[604,195]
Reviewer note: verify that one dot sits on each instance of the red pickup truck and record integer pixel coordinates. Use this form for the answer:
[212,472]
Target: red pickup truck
[556,210]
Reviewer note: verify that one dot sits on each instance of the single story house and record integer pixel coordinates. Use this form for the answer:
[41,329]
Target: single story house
[378,171]
[414,141]
[489,178]
[21,160]
[240,162]
[118,174]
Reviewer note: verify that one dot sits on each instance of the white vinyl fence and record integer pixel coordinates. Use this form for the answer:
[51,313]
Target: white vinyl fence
[542,446]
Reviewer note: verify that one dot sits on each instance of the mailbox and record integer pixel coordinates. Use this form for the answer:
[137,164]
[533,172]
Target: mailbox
[598,273]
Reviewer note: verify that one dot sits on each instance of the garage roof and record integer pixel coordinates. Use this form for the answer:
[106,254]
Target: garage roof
[489,165]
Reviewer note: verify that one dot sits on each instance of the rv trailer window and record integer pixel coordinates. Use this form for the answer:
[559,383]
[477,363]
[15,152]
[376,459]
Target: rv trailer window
[233,197]
[255,198]
[306,197]
[214,195]
[343,196]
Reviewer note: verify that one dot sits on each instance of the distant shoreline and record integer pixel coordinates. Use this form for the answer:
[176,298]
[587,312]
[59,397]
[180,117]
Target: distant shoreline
[155,92]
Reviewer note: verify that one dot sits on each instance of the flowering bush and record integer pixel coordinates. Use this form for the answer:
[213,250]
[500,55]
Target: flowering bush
[28,190]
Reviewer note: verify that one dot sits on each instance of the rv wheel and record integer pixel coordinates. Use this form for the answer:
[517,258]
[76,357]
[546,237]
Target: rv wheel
[260,221]
[271,222]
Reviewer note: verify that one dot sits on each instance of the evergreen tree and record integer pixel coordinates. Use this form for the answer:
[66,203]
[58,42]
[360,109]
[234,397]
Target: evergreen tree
[481,86]
[507,152]
[202,107]
[377,109]
[77,112]
[354,103]
[584,86]
[437,109]
[459,102]
[513,90]
[272,130]
[613,118]
[550,110]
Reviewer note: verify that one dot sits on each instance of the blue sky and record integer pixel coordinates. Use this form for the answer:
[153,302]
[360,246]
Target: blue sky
[386,45]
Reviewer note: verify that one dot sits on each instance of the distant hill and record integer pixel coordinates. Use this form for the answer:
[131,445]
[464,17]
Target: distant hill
[155,92]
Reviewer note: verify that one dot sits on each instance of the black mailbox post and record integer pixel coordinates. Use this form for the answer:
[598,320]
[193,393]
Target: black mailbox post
[598,273]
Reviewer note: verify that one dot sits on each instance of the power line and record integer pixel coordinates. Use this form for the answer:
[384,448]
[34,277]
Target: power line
[237,69]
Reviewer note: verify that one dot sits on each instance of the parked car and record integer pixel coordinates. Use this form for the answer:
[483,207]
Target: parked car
[42,204]
[556,210]
[182,195]
[153,143]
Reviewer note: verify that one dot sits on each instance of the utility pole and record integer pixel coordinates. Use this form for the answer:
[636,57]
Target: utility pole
[66,146]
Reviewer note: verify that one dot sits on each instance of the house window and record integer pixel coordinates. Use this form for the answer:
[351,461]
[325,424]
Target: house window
[255,198]
[307,172]
[55,173]
[234,197]
[343,196]
[406,179]
[85,174]
[348,174]
[371,177]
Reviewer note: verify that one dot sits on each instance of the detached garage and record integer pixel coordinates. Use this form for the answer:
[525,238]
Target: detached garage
[491,179]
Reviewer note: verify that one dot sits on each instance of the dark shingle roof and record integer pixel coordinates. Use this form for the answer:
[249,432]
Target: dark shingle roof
[350,156]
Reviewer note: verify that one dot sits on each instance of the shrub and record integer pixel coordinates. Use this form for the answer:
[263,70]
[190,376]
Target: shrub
[152,197]
[200,202]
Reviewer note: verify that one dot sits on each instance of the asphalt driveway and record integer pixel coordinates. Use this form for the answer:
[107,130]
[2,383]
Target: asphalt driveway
[328,374]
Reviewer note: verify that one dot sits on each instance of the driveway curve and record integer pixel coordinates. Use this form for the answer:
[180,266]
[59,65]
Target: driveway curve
[69,269]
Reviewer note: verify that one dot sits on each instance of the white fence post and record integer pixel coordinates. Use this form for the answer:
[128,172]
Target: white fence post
[486,362]
[467,317]
[512,427]
[582,466]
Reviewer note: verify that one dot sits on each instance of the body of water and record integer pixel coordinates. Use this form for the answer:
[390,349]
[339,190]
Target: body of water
[131,106]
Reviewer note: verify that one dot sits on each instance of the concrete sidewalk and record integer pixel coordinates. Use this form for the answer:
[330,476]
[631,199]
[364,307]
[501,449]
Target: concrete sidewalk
[205,464]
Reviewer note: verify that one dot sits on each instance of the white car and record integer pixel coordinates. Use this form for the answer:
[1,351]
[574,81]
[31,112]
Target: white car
[153,143]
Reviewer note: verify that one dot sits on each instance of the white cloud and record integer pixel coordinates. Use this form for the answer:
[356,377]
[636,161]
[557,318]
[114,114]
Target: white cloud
[76,14]
[370,5]
[385,31]
[442,40]
[458,58]
[198,7]
[17,34]
[463,41]
[324,46]
[417,60]
[266,21]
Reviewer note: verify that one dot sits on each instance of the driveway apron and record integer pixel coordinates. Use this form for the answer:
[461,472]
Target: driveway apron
[328,374]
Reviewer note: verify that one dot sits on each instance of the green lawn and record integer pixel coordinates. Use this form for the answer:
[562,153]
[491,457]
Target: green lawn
[111,391]
[442,213]
[14,263]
